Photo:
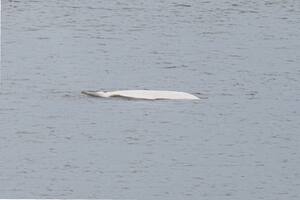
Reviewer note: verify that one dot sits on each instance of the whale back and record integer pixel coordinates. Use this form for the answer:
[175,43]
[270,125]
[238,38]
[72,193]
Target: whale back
[143,94]
[151,94]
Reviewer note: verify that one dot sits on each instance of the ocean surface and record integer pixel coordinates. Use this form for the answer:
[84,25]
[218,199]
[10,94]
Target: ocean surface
[240,141]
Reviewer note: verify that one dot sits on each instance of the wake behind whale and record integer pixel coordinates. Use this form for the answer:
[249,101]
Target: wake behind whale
[143,94]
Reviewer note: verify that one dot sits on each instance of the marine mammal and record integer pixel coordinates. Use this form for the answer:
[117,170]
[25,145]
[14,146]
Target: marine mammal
[143,94]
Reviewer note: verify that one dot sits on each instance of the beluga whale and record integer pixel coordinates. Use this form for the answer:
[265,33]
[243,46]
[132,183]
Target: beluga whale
[143,94]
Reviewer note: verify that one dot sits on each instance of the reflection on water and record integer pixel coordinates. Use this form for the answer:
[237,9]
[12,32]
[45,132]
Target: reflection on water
[240,141]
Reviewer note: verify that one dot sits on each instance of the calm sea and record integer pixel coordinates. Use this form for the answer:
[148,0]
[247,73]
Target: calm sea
[240,141]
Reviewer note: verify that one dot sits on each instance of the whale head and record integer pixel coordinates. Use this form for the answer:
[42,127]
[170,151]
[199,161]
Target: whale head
[96,93]
[102,94]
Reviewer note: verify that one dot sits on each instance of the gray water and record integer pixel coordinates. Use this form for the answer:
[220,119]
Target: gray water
[240,141]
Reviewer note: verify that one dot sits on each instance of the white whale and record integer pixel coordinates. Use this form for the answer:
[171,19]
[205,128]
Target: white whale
[143,94]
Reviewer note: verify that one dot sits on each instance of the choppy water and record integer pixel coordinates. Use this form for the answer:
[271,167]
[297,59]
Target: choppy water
[241,141]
